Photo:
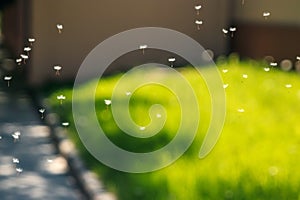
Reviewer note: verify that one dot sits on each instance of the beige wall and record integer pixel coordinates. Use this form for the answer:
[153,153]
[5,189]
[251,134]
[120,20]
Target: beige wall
[89,22]
[282,11]
[277,36]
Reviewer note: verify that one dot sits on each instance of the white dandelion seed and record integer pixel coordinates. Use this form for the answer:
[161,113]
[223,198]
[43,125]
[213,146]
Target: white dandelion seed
[128,93]
[225,31]
[197,8]
[31,41]
[59,28]
[266,14]
[298,58]
[27,50]
[225,86]
[57,68]
[232,30]
[65,124]
[16,136]
[224,71]
[266,69]
[19,61]
[143,48]
[172,60]
[42,111]
[198,23]
[61,98]
[245,76]
[107,102]
[8,79]
[273,64]
[241,110]
[19,170]
[15,161]
[24,57]
[288,85]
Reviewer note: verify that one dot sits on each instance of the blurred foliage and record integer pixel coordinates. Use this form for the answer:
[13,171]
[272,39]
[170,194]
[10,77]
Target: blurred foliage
[256,157]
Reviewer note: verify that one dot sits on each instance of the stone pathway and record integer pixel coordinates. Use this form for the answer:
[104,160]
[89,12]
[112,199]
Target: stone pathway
[30,167]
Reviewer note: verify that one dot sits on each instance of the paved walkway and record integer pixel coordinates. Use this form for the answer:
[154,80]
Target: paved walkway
[43,173]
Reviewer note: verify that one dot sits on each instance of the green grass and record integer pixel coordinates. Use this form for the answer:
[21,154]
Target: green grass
[256,157]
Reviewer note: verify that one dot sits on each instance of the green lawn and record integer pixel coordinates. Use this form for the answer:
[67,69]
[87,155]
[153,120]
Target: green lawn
[256,157]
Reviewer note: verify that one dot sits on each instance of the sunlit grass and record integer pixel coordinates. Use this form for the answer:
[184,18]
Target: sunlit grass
[256,157]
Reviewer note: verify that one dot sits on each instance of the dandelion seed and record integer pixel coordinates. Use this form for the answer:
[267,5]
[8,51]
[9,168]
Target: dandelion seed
[57,68]
[225,31]
[245,76]
[19,61]
[172,60]
[225,86]
[232,30]
[8,79]
[266,14]
[142,128]
[42,111]
[197,8]
[16,136]
[107,102]
[61,98]
[27,50]
[143,48]
[19,170]
[298,58]
[266,69]
[273,64]
[24,57]
[241,110]
[59,28]
[198,23]
[65,124]
[31,41]
[288,85]
[224,71]
[15,161]
[128,93]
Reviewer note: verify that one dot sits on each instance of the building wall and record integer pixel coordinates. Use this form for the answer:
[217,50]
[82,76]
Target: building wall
[14,26]
[277,36]
[87,23]
[282,12]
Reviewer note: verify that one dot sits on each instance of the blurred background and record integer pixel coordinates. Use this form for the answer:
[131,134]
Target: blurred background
[88,23]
